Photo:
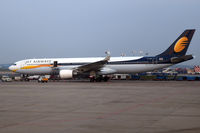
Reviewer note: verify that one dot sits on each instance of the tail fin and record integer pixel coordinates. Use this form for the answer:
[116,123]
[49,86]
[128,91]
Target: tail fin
[180,45]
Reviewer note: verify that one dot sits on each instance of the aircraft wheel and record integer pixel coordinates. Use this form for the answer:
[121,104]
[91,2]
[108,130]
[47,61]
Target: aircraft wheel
[105,79]
[26,79]
[92,79]
[98,79]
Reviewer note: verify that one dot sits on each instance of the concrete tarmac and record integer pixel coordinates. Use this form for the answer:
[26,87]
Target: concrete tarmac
[112,107]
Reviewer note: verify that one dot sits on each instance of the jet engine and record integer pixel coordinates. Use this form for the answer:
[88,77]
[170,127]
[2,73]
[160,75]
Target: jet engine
[66,74]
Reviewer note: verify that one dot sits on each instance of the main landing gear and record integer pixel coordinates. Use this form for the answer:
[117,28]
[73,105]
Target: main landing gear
[99,78]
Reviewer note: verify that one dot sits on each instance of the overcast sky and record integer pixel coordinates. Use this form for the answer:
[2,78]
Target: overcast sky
[87,28]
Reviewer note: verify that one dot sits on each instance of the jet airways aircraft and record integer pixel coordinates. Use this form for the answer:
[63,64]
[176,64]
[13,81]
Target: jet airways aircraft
[98,68]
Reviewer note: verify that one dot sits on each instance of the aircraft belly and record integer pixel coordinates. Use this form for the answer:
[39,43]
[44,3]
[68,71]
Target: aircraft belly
[68,67]
[39,71]
[136,68]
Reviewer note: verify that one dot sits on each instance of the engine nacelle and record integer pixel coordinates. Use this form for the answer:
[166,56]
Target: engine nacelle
[66,74]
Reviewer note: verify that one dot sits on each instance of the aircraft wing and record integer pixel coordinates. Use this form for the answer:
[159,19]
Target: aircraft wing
[95,66]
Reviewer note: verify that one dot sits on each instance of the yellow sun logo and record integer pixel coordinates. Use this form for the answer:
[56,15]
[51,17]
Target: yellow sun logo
[181,44]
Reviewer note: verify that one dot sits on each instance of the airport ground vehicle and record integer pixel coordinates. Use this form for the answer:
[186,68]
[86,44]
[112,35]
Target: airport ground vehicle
[17,78]
[43,79]
[6,79]
[34,77]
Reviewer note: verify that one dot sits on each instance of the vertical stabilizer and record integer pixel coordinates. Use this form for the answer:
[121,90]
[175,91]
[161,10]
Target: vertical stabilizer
[180,45]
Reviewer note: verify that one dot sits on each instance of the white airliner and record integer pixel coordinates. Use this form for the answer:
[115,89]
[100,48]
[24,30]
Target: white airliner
[98,68]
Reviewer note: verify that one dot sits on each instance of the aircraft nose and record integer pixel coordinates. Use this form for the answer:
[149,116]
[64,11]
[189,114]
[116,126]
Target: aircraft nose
[12,68]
